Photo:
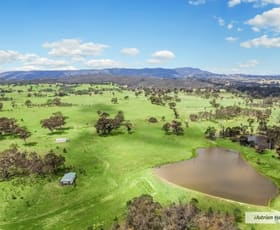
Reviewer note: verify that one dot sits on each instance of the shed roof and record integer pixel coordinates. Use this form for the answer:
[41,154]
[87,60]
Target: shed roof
[61,140]
[259,140]
[68,177]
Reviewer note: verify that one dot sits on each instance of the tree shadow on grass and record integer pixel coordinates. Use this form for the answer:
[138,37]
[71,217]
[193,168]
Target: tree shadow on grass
[60,131]
[5,136]
[57,132]
[64,128]
[108,108]
[31,143]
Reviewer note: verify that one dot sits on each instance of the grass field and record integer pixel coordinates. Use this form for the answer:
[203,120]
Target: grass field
[111,170]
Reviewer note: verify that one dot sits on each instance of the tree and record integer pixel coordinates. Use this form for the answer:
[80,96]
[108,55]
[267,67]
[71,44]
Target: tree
[144,213]
[278,151]
[152,120]
[114,100]
[13,104]
[14,162]
[22,133]
[214,103]
[56,121]
[28,103]
[7,125]
[172,105]
[105,125]
[176,114]
[250,121]
[262,125]
[193,117]
[119,117]
[1,106]
[166,127]
[175,127]
[54,102]
[128,126]
[52,162]
[210,133]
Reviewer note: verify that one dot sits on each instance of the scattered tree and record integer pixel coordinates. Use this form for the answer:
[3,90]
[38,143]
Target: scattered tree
[210,133]
[14,162]
[28,103]
[175,127]
[56,121]
[22,133]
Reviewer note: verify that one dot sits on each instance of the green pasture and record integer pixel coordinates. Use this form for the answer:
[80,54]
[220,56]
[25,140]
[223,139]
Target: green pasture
[111,170]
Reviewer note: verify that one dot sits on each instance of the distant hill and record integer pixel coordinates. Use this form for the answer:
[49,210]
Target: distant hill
[122,72]
[145,76]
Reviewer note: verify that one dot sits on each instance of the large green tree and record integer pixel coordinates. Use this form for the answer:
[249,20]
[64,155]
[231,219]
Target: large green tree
[56,121]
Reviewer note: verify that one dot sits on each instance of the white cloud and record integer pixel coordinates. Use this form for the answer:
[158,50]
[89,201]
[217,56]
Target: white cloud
[130,51]
[256,29]
[103,63]
[197,2]
[232,3]
[74,47]
[31,61]
[231,39]
[78,59]
[257,3]
[249,64]
[263,41]
[7,56]
[36,67]
[163,55]
[221,21]
[36,62]
[230,26]
[46,62]
[268,20]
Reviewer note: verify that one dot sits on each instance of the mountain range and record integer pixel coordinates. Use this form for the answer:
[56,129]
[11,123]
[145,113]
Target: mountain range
[121,72]
[159,73]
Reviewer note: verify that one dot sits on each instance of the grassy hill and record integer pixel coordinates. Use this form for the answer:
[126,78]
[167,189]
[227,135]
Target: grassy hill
[111,170]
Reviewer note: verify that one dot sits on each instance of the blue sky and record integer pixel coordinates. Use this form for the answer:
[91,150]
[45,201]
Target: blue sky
[223,36]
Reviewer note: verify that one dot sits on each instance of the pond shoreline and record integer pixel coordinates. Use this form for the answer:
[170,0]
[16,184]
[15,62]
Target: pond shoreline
[262,199]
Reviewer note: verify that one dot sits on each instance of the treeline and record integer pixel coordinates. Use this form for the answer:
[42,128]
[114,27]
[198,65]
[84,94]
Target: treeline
[14,162]
[49,103]
[145,214]
[9,126]
[259,91]
[230,112]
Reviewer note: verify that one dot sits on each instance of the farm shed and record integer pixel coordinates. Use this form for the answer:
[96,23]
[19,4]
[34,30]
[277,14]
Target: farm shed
[61,140]
[68,178]
[260,141]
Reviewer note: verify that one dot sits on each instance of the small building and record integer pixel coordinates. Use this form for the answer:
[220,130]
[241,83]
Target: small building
[61,140]
[68,178]
[261,141]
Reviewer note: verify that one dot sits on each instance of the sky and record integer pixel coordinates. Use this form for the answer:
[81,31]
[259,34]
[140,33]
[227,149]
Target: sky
[221,36]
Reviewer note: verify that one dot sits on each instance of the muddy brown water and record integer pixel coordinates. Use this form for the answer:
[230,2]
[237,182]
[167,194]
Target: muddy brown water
[222,173]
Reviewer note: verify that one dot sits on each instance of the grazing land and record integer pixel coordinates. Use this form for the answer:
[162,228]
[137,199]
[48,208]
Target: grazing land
[113,169]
